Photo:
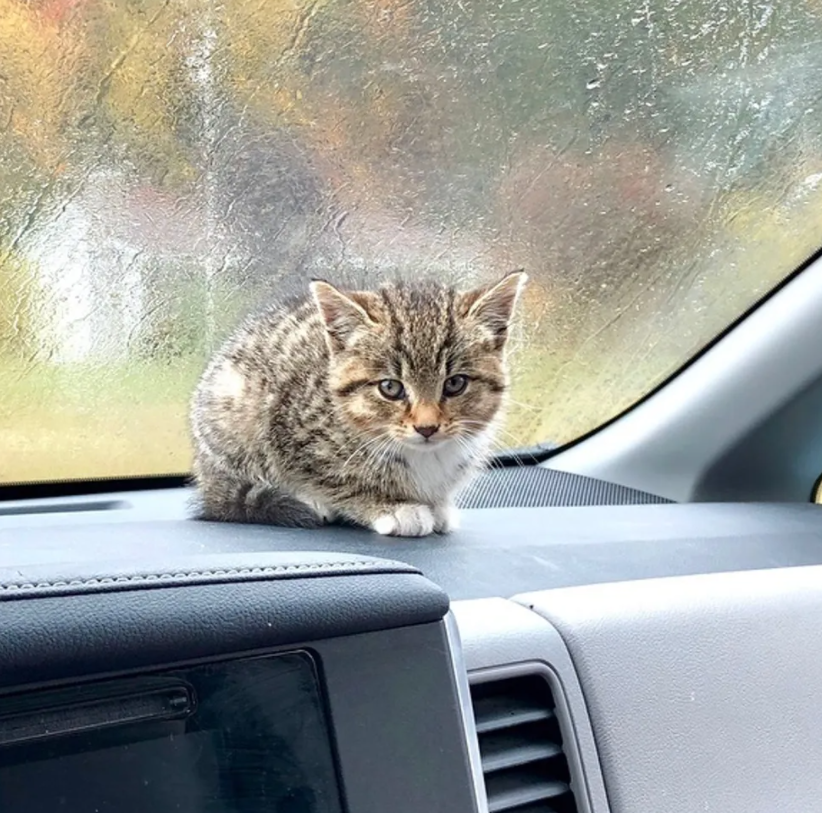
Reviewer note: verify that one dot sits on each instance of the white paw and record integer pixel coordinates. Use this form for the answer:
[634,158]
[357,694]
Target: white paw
[446,519]
[406,520]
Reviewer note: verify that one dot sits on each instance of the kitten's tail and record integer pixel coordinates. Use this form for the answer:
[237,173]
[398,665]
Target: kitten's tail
[232,500]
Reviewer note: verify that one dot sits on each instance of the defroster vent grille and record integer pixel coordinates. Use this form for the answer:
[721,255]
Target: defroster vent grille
[525,768]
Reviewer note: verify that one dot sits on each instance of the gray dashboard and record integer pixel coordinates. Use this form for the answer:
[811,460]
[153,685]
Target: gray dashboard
[497,551]
[681,642]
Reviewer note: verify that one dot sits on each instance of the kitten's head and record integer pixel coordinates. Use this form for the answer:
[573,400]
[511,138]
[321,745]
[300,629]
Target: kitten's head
[422,364]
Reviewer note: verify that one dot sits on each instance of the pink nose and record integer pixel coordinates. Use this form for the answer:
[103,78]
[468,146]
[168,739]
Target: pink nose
[426,431]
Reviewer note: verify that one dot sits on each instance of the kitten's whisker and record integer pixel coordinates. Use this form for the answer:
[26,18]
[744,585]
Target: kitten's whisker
[524,458]
[466,429]
[474,454]
[384,454]
[371,456]
[501,430]
[513,439]
[378,453]
[370,442]
[522,405]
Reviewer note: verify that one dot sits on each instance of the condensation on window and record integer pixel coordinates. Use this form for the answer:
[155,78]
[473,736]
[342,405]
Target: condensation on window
[656,166]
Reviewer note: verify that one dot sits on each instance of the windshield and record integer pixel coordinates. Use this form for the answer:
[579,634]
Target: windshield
[655,166]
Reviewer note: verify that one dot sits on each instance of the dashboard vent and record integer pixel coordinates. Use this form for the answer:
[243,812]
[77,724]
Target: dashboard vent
[525,768]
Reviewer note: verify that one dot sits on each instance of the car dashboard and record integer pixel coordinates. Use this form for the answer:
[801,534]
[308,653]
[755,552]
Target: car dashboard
[632,658]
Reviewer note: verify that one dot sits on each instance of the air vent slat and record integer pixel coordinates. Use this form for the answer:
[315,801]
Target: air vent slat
[503,752]
[506,719]
[515,798]
[538,807]
[525,767]
[493,711]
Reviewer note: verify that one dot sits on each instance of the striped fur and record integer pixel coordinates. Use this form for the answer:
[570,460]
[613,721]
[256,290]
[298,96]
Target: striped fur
[290,427]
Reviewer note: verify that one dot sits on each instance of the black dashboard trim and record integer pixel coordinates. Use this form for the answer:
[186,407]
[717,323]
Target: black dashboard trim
[85,620]
[76,579]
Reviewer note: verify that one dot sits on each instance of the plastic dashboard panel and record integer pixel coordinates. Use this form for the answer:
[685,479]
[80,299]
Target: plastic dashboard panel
[703,691]
[500,638]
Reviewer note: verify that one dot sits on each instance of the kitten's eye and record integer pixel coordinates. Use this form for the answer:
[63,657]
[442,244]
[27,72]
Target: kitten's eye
[455,386]
[391,389]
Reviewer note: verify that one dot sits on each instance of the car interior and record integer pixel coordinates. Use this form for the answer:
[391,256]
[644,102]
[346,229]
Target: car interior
[627,619]
[630,625]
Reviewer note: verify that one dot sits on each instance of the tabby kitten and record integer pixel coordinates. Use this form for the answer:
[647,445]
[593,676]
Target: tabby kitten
[371,407]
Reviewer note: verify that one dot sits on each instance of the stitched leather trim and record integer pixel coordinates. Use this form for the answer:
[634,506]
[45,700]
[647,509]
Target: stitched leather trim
[201,576]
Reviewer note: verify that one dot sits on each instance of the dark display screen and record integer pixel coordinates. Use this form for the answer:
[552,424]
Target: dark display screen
[243,736]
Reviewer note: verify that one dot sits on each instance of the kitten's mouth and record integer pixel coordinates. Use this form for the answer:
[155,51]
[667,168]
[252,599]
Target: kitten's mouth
[420,443]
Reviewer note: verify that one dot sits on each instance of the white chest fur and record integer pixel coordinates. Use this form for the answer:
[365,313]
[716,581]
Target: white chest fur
[437,473]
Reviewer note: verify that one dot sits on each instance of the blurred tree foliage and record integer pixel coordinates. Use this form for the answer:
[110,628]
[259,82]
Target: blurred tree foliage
[578,139]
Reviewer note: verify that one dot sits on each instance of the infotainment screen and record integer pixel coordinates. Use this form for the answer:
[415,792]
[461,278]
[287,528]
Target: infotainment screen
[239,736]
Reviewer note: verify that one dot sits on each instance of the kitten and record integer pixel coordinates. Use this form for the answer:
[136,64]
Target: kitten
[370,407]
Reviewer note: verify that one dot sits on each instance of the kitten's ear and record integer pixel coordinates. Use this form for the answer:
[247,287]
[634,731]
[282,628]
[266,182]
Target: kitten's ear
[341,312]
[493,306]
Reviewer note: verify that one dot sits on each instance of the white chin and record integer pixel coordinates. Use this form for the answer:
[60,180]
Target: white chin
[422,445]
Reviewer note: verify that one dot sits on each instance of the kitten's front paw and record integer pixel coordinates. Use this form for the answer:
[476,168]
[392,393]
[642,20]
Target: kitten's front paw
[446,519]
[406,520]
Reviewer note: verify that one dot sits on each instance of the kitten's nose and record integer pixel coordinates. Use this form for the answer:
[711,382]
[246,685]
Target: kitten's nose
[426,431]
